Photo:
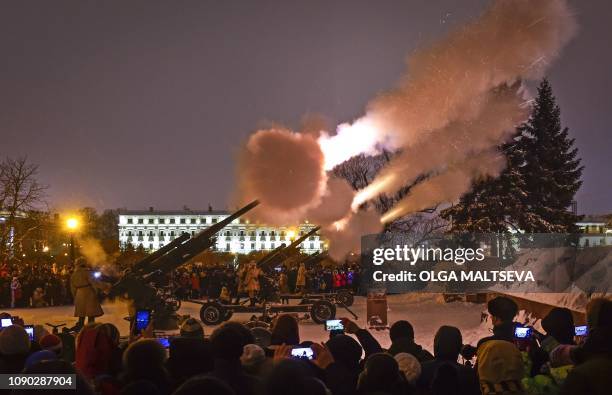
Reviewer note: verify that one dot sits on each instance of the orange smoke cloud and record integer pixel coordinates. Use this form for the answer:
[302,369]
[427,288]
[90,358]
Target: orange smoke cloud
[284,170]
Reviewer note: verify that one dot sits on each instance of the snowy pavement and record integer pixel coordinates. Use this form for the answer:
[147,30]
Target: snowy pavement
[426,312]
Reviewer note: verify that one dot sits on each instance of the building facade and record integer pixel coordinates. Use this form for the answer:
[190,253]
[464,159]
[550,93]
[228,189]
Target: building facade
[152,229]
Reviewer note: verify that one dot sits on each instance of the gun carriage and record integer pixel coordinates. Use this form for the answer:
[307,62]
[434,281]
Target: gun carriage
[138,284]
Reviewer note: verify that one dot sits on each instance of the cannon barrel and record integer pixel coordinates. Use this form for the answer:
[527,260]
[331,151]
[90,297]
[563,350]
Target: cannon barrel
[270,255]
[273,260]
[196,244]
[174,254]
[314,259]
[142,264]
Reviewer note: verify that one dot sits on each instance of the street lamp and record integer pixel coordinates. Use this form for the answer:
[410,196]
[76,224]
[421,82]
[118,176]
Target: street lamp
[72,224]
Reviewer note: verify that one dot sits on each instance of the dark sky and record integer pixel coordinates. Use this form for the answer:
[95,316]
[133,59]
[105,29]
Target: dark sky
[144,103]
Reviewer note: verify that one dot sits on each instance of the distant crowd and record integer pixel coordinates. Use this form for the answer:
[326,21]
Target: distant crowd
[198,282]
[237,360]
[34,284]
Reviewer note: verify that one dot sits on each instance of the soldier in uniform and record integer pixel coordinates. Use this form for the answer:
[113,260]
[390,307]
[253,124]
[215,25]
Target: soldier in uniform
[251,281]
[300,282]
[86,302]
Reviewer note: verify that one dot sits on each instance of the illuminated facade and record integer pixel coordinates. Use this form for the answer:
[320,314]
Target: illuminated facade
[153,229]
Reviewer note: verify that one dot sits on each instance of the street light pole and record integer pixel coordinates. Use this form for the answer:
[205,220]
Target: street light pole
[72,248]
[72,224]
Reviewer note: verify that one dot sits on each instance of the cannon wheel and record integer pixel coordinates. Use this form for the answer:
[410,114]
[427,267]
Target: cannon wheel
[212,313]
[345,297]
[321,311]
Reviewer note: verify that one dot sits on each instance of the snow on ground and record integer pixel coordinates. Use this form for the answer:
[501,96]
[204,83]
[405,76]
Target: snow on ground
[426,312]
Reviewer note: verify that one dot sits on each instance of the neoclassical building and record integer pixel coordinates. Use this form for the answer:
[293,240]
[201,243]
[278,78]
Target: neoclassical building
[153,229]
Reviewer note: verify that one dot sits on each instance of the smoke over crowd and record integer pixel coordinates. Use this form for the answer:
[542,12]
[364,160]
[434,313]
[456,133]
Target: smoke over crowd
[458,100]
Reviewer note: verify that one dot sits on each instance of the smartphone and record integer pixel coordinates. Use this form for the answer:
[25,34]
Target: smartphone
[581,330]
[164,341]
[143,317]
[334,325]
[302,353]
[6,322]
[30,331]
[521,332]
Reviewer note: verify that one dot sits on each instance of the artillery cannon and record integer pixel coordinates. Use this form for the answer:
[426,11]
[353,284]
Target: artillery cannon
[318,309]
[136,284]
[276,257]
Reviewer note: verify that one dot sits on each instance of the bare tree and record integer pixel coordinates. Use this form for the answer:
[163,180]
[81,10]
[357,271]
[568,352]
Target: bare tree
[360,171]
[20,193]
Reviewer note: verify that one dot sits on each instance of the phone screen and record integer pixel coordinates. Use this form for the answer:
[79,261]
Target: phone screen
[334,325]
[521,332]
[6,322]
[143,317]
[164,341]
[580,330]
[30,331]
[302,353]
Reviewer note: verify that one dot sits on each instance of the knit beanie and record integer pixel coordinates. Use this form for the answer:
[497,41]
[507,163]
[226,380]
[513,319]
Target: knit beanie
[14,340]
[51,342]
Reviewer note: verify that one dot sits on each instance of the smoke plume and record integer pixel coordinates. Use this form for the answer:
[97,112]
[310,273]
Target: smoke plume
[284,170]
[458,100]
[93,252]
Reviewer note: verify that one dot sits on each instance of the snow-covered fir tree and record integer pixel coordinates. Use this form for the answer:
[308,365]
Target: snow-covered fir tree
[534,191]
[552,168]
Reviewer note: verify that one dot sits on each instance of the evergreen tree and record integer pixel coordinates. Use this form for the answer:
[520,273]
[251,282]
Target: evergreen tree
[495,204]
[534,191]
[552,169]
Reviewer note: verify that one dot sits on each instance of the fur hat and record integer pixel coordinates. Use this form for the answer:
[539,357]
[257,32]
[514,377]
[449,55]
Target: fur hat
[252,355]
[192,328]
[14,340]
[51,342]
[409,365]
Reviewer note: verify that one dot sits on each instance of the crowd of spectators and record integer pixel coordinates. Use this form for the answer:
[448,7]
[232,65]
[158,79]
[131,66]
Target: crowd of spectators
[234,359]
[199,282]
[34,284]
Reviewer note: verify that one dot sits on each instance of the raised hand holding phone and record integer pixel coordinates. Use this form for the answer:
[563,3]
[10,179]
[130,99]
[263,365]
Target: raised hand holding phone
[322,356]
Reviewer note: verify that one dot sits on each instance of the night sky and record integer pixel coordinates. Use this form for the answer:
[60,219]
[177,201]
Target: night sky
[144,103]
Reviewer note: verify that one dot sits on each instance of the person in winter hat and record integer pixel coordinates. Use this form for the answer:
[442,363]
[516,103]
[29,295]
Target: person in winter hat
[52,343]
[253,358]
[502,310]
[444,370]
[192,328]
[559,327]
[402,340]
[381,374]
[14,340]
[14,349]
[500,368]
[409,366]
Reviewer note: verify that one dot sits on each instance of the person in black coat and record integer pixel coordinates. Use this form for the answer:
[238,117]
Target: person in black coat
[502,311]
[227,343]
[447,346]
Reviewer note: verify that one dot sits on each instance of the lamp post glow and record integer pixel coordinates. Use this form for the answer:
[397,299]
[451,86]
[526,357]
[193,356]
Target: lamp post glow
[72,224]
